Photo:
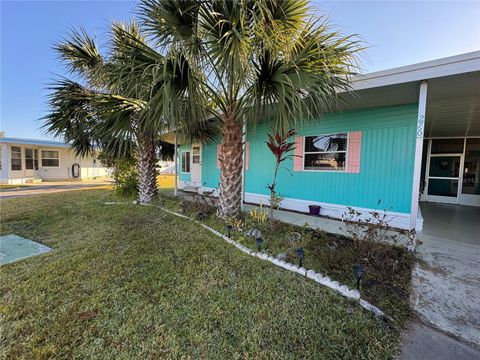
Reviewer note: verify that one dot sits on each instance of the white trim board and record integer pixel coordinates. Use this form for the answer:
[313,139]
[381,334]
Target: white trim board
[395,219]
[458,64]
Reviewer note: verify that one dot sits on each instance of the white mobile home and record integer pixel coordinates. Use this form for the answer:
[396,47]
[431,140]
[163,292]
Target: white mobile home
[27,160]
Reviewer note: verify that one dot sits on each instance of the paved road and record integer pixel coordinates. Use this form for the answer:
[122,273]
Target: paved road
[49,188]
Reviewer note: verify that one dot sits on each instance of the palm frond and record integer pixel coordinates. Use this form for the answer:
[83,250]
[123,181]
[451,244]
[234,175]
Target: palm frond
[88,119]
[304,82]
[81,55]
[168,20]
[72,117]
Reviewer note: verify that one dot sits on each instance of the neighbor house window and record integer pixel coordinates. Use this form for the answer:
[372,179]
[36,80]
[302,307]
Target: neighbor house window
[50,158]
[16,157]
[186,161]
[31,159]
[325,152]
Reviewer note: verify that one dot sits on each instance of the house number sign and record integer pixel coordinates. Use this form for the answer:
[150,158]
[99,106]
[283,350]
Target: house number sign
[420,126]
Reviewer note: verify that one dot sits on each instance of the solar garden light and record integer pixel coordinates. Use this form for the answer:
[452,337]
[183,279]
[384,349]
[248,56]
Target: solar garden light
[259,243]
[229,231]
[301,255]
[358,271]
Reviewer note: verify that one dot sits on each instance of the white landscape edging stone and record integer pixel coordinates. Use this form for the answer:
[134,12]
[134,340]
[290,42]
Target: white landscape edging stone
[309,273]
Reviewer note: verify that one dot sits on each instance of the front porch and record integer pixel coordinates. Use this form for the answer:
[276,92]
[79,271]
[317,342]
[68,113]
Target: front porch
[446,281]
[451,222]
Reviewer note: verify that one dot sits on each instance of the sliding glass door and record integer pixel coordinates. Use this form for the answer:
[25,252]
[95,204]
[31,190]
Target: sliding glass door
[453,171]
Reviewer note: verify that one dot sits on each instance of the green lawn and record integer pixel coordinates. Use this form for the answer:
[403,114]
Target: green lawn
[386,282]
[128,281]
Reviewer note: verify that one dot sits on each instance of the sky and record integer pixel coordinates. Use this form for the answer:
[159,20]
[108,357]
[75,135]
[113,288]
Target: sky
[396,32]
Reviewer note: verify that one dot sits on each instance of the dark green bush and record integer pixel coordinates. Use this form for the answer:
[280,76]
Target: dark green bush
[124,174]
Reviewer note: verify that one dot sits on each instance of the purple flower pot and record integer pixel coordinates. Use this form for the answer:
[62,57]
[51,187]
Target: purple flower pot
[314,210]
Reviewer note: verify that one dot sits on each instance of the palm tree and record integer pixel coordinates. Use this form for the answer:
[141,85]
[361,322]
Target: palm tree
[245,58]
[110,109]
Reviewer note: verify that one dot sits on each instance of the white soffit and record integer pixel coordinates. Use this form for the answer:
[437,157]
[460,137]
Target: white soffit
[453,106]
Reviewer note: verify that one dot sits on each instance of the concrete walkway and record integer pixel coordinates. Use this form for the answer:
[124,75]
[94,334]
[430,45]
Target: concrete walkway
[425,343]
[51,187]
[446,282]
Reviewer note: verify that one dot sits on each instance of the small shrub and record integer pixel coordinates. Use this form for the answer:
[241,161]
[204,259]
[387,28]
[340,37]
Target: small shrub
[237,224]
[275,201]
[259,215]
[125,175]
[376,228]
[198,205]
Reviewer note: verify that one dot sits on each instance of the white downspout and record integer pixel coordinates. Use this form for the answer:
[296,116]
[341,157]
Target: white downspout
[422,106]
[175,156]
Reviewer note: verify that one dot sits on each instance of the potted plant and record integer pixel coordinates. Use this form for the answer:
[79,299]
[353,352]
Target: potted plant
[314,210]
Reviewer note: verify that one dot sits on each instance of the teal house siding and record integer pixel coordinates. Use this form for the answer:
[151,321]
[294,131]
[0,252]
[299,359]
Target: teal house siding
[386,170]
[210,173]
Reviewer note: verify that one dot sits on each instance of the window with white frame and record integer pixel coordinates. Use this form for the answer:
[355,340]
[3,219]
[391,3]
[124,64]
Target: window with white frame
[196,154]
[50,158]
[31,159]
[16,158]
[325,152]
[186,161]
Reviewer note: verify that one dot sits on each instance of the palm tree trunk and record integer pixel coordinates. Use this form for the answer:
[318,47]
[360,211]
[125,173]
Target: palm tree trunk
[231,176]
[147,168]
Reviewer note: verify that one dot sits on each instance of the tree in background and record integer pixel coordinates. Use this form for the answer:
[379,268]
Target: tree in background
[111,105]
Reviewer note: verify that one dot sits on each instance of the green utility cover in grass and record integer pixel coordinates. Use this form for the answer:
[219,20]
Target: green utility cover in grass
[14,247]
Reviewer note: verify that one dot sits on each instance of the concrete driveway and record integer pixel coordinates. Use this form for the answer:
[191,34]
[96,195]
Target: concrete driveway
[446,282]
[51,187]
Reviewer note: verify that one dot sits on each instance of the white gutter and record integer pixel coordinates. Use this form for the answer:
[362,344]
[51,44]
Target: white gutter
[452,65]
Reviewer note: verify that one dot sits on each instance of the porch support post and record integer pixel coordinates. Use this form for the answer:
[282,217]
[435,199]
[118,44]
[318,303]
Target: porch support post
[244,156]
[422,105]
[175,156]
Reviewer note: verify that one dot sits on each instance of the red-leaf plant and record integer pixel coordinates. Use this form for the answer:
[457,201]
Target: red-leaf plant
[282,149]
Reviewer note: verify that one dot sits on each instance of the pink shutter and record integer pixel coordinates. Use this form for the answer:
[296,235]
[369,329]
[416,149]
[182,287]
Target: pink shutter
[247,155]
[219,156]
[354,151]
[298,154]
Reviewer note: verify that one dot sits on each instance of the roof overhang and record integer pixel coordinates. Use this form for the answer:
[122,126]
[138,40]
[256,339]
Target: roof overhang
[453,65]
[453,96]
[33,142]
